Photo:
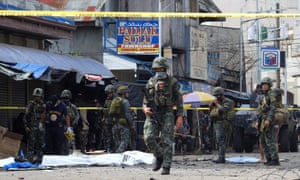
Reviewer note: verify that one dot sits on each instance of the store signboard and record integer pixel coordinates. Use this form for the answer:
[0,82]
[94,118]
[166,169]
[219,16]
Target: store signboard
[270,58]
[138,37]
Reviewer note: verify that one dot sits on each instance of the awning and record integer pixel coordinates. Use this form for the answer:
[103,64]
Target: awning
[208,6]
[119,62]
[44,65]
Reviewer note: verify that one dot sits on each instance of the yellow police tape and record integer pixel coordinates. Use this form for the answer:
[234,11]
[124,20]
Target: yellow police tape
[144,14]
[132,108]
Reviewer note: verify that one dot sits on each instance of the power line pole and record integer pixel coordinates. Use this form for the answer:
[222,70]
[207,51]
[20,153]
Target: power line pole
[277,43]
[258,45]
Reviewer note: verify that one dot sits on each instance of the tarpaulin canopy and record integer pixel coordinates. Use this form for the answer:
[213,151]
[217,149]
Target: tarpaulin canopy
[119,62]
[42,64]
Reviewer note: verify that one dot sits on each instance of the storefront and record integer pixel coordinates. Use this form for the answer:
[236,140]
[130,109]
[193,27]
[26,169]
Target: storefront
[23,69]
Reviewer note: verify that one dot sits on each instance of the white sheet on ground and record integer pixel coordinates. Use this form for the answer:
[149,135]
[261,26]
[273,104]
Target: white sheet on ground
[5,161]
[129,158]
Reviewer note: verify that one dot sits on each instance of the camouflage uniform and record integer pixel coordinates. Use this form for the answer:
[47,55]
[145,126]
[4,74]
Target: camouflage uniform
[73,113]
[271,101]
[122,122]
[161,94]
[221,124]
[34,125]
[108,124]
[95,128]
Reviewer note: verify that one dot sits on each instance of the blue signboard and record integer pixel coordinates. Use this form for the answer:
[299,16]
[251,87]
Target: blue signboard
[213,59]
[270,58]
[138,37]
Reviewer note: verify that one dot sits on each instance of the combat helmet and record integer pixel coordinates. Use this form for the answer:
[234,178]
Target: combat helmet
[160,62]
[38,92]
[109,89]
[218,90]
[66,94]
[267,80]
[122,90]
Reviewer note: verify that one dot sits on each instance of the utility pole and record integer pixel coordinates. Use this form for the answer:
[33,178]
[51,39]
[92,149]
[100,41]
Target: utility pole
[241,56]
[277,43]
[258,45]
[160,28]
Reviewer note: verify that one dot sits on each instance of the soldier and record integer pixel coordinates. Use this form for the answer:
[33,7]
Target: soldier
[219,110]
[74,116]
[271,101]
[161,94]
[108,124]
[34,120]
[57,112]
[94,118]
[122,118]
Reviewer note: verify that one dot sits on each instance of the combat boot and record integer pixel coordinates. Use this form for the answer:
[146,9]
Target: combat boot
[268,161]
[219,161]
[274,162]
[165,171]
[157,163]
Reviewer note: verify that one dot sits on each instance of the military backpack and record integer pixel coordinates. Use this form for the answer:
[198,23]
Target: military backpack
[281,115]
[116,106]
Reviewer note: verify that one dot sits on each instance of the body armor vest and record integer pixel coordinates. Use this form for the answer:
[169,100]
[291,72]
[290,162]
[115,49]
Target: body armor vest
[36,110]
[162,92]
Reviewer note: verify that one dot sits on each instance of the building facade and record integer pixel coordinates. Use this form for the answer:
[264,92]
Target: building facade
[285,34]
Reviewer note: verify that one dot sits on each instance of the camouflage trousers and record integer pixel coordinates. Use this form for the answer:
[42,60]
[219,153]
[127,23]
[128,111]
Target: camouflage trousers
[221,128]
[158,136]
[81,140]
[267,139]
[35,143]
[121,137]
[108,136]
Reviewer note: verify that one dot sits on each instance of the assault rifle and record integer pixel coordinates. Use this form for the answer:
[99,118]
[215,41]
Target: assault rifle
[151,104]
[184,135]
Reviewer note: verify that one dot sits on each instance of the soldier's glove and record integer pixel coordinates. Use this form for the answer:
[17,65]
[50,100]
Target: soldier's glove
[69,134]
[70,130]
[41,126]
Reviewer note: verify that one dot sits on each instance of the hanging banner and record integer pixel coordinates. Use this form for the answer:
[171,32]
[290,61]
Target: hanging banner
[270,58]
[138,37]
[198,53]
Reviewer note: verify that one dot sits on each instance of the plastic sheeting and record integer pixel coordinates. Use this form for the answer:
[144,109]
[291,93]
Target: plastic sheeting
[115,62]
[128,158]
[242,160]
[38,61]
